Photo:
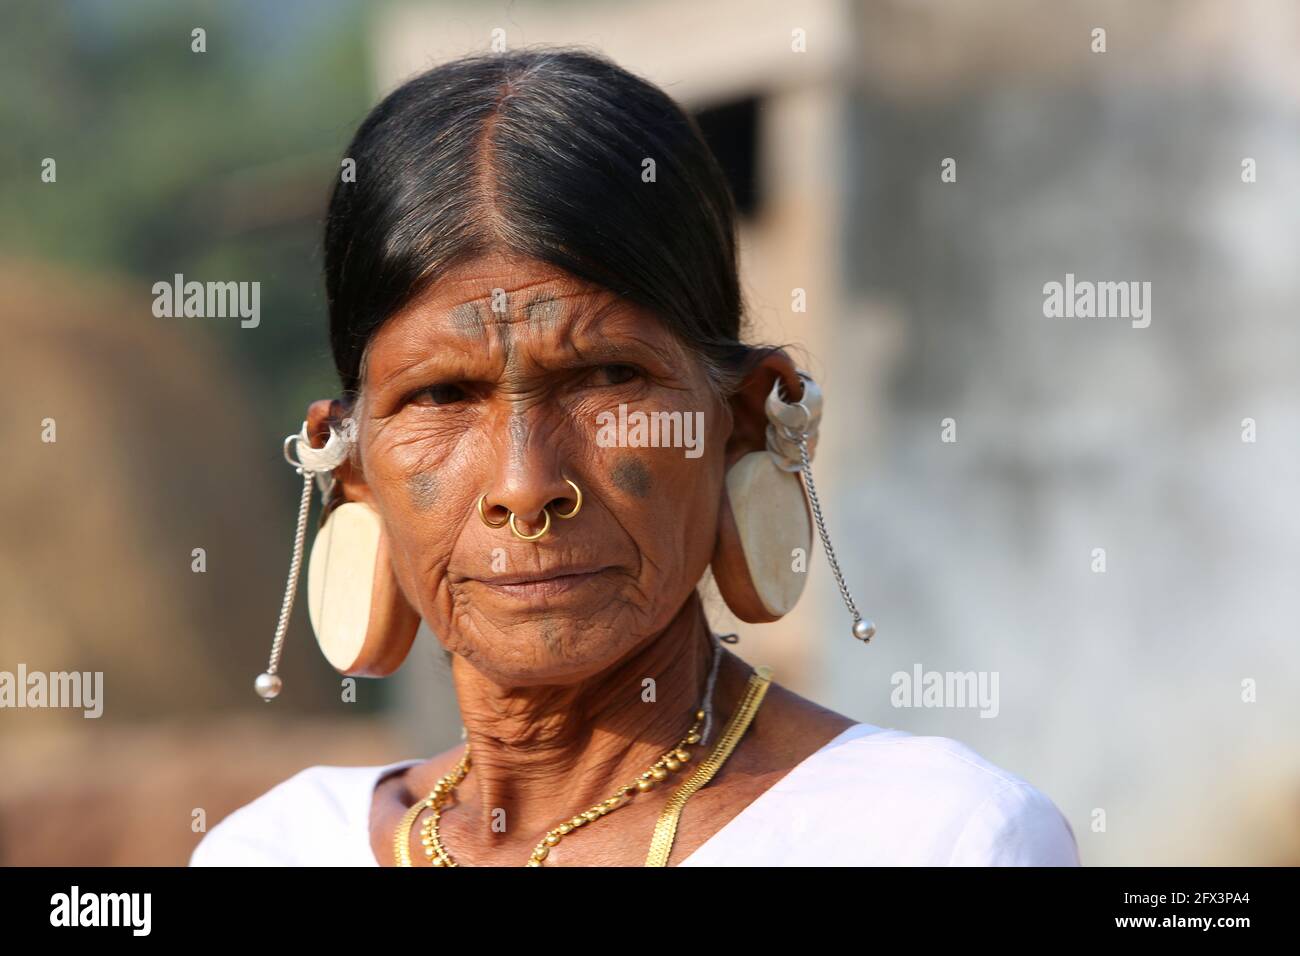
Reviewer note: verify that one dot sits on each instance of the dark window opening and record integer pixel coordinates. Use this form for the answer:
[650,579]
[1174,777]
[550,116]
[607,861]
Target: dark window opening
[731,130]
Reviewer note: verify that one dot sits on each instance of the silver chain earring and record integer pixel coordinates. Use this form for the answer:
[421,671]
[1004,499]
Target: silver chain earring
[315,465]
[793,426]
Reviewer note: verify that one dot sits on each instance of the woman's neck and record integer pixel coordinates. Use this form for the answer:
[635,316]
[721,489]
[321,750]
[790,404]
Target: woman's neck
[544,753]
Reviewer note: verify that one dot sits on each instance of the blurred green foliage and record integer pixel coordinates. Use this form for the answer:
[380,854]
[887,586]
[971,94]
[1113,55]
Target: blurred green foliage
[216,165]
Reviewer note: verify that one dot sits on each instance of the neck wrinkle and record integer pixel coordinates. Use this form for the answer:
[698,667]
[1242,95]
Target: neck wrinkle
[546,753]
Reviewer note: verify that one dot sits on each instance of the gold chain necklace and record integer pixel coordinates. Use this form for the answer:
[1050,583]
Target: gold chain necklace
[665,831]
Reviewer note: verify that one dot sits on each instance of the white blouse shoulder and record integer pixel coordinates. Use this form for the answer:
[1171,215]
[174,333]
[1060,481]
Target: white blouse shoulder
[318,817]
[885,797]
[871,796]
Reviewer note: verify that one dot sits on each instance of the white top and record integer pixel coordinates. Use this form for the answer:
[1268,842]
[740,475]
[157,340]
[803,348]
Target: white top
[869,797]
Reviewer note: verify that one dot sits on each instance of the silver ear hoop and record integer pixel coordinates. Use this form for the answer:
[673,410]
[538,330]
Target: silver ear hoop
[291,444]
[320,462]
[792,431]
[792,422]
[782,413]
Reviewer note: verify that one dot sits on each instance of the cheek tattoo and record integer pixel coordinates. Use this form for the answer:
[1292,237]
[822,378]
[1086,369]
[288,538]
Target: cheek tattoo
[422,490]
[632,476]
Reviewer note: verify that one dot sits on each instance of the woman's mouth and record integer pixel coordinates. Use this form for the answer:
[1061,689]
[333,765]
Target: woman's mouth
[551,583]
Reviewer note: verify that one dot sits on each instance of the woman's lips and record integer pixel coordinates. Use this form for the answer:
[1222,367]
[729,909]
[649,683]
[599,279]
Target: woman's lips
[548,584]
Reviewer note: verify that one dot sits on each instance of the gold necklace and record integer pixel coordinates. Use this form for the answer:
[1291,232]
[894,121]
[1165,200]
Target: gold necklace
[665,830]
[661,844]
[437,854]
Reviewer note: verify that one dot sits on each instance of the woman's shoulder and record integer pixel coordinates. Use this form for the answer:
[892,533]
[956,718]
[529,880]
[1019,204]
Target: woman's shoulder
[986,814]
[318,817]
[884,796]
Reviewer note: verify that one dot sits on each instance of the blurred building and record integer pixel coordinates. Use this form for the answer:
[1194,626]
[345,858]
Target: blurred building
[1114,157]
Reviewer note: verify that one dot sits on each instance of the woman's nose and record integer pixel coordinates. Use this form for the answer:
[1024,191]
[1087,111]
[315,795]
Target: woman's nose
[526,496]
[528,477]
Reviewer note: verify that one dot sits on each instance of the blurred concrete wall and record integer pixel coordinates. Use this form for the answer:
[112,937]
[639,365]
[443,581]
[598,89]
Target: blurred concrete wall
[1122,691]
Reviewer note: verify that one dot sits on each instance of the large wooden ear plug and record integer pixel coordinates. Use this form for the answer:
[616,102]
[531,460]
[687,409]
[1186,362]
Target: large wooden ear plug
[364,625]
[763,519]
[765,526]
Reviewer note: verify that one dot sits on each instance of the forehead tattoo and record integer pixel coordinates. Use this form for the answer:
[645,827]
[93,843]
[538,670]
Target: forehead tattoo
[472,318]
[467,318]
[543,311]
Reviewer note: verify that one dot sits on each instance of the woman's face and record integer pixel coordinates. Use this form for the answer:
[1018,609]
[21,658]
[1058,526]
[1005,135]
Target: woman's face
[495,382]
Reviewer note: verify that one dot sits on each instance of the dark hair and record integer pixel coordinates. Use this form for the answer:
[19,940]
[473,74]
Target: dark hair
[538,152]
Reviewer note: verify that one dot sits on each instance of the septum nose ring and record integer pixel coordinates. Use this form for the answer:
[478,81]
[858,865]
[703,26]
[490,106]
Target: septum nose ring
[546,516]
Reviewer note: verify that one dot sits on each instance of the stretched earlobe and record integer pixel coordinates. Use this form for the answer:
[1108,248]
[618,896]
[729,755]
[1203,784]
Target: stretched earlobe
[764,535]
[362,621]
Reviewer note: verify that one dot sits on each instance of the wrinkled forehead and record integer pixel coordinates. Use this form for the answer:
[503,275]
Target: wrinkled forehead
[539,315]
[516,321]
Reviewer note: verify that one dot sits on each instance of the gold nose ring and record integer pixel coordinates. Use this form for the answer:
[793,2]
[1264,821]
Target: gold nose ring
[483,514]
[546,515]
[577,505]
[546,526]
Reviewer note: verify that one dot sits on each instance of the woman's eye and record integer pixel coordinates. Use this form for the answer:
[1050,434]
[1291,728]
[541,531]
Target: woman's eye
[444,394]
[613,374]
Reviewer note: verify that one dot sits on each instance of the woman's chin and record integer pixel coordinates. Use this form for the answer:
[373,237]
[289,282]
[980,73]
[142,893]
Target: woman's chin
[558,647]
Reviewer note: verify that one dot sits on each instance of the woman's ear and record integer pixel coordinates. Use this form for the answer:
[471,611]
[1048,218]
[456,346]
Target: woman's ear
[764,518]
[321,415]
[367,626]
[748,404]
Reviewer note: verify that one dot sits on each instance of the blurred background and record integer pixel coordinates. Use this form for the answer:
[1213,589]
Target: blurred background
[1157,703]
